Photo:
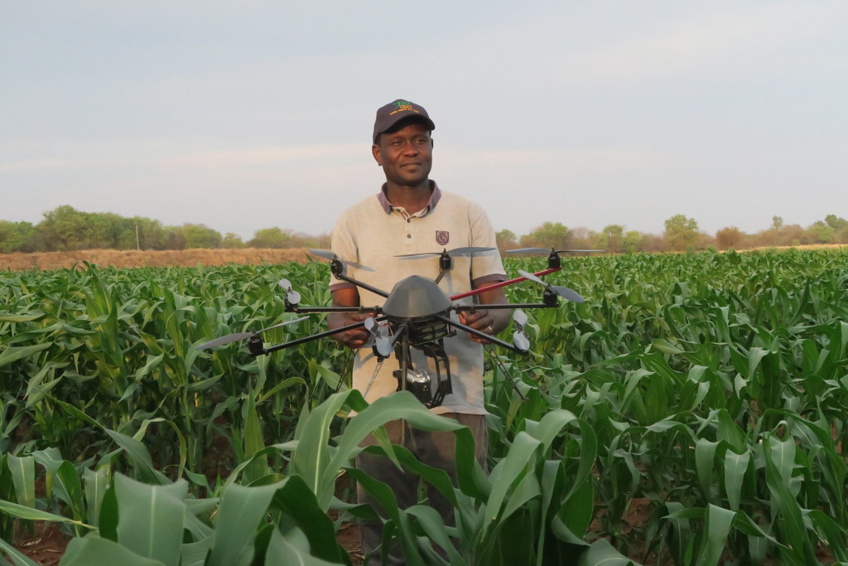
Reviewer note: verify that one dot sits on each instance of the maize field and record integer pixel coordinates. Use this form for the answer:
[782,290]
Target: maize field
[710,389]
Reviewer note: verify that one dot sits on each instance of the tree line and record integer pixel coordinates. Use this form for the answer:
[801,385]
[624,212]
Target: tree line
[681,234]
[67,229]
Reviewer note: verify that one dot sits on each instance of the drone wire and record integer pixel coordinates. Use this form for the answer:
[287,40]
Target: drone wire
[496,361]
[373,376]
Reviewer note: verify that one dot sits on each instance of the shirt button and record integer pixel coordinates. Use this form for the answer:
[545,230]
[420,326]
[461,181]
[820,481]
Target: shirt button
[408,236]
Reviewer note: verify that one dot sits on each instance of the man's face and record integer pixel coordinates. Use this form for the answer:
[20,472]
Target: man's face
[406,156]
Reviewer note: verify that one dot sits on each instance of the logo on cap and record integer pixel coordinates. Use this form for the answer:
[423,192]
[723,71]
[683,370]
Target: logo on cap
[403,106]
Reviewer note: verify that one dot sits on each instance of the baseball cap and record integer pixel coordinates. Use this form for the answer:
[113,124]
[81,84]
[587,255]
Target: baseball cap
[394,112]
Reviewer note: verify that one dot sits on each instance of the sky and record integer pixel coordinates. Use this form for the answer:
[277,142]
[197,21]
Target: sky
[254,114]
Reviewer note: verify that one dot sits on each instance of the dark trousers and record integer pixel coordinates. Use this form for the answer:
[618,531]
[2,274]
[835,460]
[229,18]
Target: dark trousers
[436,449]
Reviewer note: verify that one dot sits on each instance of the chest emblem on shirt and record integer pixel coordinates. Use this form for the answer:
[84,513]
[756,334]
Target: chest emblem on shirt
[442,237]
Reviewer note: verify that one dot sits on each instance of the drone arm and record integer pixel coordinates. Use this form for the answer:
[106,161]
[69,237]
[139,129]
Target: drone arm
[313,337]
[502,284]
[487,337]
[359,283]
[501,306]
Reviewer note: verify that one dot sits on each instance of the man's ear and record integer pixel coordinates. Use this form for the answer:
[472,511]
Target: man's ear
[375,151]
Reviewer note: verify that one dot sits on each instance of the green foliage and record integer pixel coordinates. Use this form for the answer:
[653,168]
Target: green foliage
[16,236]
[548,235]
[681,232]
[270,238]
[200,236]
[708,389]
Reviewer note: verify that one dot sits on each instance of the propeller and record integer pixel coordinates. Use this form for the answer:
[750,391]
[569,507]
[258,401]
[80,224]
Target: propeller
[563,292]
[229,338]
[326,254]
[292,296]
[446,257]
[545,251]
[383,344]
[519,338]
[456,252]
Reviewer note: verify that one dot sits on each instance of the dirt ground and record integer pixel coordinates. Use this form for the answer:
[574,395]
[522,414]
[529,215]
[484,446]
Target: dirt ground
[47,543]
[165,258]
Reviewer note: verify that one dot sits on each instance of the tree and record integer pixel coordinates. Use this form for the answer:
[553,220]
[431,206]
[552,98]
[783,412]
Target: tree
[730,237]
[232,241]
[200,236]
[270,238]
[821,233]
[506,239]
[612,238]
[548,235]
[777,223]
[15,237]
[836,222]
[633,242]
[681,233]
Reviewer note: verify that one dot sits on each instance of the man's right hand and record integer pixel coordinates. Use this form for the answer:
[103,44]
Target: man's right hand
[355,337]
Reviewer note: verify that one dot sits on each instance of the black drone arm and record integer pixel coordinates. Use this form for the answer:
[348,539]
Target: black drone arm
[359,283]
[324,334]
[476,332]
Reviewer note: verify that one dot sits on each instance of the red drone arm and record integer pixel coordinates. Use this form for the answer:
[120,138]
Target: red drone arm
[502,284]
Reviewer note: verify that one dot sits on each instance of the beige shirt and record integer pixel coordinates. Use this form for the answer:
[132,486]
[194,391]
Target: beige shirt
[368,235]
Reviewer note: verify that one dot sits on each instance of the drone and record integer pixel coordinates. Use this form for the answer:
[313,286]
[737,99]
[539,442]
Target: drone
[416,315]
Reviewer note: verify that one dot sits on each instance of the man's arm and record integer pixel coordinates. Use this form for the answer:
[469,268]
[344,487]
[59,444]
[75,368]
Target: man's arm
[356,338]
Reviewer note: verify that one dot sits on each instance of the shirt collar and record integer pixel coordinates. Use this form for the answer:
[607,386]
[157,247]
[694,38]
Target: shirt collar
[435,196]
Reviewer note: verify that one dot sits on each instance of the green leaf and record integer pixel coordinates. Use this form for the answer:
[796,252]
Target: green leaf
[95,551]
[151,518]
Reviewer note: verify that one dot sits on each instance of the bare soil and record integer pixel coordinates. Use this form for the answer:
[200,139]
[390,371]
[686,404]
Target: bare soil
[166,258]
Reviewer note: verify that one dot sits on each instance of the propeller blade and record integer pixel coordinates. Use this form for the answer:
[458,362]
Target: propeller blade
[384,346]
[469,250]
[520,318]
[292,296]
[563,292]
[230,338]
[465,251]
[546,251]
[531,277]
[520,340]
[326,254]
[528,251]
[568,294]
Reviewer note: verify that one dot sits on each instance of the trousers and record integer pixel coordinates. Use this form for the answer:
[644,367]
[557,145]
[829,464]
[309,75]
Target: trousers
[436,449]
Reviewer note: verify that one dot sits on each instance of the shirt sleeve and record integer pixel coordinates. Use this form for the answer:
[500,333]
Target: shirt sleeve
[486,267]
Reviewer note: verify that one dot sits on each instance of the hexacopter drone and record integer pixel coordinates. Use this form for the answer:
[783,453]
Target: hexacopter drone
[416,315]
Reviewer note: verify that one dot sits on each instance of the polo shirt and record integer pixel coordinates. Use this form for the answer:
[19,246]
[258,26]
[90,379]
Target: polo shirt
[373,233]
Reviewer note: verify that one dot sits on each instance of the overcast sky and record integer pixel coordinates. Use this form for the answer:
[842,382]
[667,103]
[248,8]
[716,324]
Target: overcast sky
[251,114]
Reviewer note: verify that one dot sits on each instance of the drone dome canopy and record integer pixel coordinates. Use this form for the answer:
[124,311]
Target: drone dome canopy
[415,297]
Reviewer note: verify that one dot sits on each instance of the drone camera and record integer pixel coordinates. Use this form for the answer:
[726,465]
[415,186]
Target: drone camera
[419,383]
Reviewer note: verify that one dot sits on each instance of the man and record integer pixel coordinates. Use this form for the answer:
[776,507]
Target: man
[411,215]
